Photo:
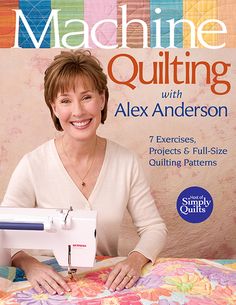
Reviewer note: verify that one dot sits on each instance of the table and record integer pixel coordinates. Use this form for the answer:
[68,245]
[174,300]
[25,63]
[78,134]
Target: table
[170,281]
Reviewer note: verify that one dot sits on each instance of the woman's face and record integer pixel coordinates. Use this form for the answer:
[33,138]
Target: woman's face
[79,110]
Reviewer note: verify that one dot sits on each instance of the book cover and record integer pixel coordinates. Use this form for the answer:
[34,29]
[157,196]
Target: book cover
[171,76]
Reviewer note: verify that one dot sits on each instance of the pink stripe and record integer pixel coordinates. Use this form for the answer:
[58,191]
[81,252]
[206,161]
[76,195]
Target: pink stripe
[225,14]
[96,10]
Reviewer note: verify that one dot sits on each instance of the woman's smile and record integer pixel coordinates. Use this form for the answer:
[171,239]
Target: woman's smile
[81,124]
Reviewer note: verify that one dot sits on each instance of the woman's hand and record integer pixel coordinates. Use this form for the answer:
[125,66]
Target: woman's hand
[126,273]
[42,277]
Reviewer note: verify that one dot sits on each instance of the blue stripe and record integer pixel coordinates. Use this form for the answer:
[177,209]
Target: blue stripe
[172,9]
[36,13]
[21,226]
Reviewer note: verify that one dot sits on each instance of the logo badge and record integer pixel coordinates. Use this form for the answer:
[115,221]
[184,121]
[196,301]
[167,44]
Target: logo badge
[194,204]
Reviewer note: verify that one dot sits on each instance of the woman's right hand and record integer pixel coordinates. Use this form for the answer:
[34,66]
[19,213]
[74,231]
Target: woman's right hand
[42,277]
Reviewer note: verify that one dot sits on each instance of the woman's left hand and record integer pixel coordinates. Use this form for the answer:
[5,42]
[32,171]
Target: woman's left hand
[126,273]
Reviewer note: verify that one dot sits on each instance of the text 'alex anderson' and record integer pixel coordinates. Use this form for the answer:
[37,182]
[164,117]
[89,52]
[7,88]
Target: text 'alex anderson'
[180,109]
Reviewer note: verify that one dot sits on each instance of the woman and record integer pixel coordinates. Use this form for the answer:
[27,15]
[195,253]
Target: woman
[85,171]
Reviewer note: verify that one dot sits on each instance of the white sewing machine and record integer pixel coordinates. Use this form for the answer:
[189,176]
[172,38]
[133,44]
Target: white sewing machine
[71,235]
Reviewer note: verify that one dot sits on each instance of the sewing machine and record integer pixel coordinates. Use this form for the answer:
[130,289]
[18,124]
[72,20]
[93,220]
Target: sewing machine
[71,235]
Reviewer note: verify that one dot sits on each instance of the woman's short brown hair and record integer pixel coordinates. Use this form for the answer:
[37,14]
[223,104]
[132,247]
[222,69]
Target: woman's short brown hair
[63,72]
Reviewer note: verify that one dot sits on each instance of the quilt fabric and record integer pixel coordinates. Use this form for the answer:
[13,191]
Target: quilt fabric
[167,282]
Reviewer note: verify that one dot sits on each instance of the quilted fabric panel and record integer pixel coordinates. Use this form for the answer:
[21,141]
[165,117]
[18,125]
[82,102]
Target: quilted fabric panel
[97,10]
[36,14]
[169,281]
[7,22]
[169,10]
[226,9]
[135,10]
[197,12]
[69,9]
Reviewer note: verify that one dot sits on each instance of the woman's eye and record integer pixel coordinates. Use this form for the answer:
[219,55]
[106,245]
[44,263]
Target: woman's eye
[87,98]
[65,101]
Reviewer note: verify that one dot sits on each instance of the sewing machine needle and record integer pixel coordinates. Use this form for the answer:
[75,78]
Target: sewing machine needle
[70,270]
[69,262]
